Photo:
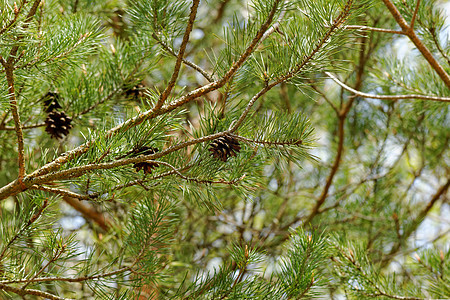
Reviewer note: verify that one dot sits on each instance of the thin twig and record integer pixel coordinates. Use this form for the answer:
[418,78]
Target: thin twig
[165,94]
[10,128]
[416,10]
[438,45]
[417,221]
[177,172]
[63,192]
[59,252]
[368,28]
[386,97]
[185,61]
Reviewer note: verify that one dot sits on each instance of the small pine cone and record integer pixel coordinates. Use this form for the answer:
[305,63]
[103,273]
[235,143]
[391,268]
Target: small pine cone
[224,147]
[51,102]
[58,124]
[146,166]
[135,92]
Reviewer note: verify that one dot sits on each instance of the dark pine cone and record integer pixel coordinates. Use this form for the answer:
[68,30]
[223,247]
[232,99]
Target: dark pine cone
[58,124]
[146,166]
[135,92]
[51,102]
[224,147]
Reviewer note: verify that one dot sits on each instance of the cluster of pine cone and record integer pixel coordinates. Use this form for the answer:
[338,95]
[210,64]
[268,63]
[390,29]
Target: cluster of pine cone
[58,124]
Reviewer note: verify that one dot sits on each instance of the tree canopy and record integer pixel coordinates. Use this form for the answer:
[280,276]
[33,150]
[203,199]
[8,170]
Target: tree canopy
[224,149]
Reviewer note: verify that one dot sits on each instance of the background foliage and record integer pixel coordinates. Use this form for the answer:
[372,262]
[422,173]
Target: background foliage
[339,188]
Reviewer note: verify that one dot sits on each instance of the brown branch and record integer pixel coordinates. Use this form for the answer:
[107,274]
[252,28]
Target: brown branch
[165,94]
[334,168]
[66,279]
[8,66]
[324,96]
[23,292]
[438,45]
[416,10]
[10,128]
[89,213]
[409,31]
[386,97]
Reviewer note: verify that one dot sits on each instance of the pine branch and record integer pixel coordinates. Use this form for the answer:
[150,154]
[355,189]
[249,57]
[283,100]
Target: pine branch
[192,179]
[25,227]
[9,66]
[386,97]
[68,279]
[62,192]
[81,170]
[16,15]
[334,168]
[336,24]
[24,292]
[368,28]
[413,19]
[185,61]
[59,251]
[184,42]
[341,135]
[409,31]
[269,143]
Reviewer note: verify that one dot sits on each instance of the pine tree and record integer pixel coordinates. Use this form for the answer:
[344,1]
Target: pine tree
[224,149]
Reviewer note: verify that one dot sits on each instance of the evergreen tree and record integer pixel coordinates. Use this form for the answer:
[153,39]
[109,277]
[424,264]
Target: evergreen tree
[224,149]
